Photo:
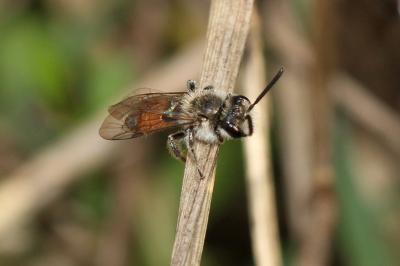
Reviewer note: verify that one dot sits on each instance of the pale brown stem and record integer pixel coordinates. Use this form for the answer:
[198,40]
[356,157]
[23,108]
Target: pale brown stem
[310,65]
[316,242]
[226,35]
[293,103]
[113,247]
[259,175]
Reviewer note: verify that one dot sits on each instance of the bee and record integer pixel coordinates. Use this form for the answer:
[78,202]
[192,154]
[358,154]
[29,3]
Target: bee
[207,115]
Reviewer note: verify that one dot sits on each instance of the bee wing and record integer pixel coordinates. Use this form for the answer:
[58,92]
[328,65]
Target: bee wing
[150,101]
[143,114]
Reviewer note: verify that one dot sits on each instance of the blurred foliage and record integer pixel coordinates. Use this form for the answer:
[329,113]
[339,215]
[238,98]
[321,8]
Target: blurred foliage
[360,234]
[61,61]
[53,74]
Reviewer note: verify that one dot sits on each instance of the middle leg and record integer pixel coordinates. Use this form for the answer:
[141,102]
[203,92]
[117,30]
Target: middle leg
[190,144]
[174,145]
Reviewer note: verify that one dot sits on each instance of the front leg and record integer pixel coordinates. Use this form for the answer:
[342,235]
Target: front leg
[250,125]
[224,104]
[190,144]
[219,135]
[174,146]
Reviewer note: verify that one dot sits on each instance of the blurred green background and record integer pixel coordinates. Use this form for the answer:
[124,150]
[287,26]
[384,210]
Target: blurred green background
[63,61]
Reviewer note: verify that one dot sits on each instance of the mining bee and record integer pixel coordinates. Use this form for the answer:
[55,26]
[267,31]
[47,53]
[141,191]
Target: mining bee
[205,114]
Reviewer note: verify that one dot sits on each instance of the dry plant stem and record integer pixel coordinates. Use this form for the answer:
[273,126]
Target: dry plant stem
[40,180]
[369,111]
[293,106]
[226,35]
[312,197]
[113,247]
[296,51]
[315,245]
[259,176]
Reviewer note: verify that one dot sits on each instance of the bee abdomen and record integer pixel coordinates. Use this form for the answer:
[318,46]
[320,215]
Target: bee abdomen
[131,122]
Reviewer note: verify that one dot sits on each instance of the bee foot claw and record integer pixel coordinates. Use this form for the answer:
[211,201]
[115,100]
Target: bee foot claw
[201,174]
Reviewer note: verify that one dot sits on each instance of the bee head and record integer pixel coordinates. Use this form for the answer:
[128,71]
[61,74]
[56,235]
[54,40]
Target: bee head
[236,120]
[240,104]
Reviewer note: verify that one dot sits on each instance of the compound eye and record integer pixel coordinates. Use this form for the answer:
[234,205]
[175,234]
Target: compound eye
[245,99]
[241,100]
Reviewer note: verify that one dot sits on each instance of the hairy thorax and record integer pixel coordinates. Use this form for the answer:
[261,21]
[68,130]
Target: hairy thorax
[206,106]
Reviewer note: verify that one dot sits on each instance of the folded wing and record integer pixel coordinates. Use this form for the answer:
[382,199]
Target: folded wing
[144,114]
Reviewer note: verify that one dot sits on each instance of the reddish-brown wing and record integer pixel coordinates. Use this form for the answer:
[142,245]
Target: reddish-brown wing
[142,114]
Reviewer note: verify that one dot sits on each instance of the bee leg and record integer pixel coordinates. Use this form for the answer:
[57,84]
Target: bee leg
[191,85]
[190,143]
[240,133]
[221,108]
[174,147]
[219,136]
[251,127]
[209,87]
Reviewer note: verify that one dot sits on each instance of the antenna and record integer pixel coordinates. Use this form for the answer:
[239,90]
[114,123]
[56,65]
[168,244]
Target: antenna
[267,88]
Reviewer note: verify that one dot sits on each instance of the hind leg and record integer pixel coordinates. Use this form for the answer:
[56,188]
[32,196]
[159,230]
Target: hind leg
[191,85]
[174,145]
